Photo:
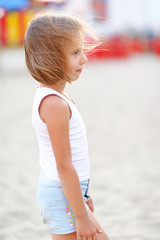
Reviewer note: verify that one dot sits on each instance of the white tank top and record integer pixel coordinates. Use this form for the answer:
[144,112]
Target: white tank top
[77,135]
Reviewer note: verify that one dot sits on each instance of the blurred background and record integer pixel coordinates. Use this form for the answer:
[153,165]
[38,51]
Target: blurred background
[118,95]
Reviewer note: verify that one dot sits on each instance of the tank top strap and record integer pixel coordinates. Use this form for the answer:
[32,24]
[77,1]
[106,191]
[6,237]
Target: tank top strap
[70,101]
[47,91]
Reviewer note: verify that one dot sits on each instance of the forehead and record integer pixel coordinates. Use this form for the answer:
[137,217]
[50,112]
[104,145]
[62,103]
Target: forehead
[77,40]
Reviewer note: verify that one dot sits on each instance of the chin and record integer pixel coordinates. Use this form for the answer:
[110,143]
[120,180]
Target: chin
[74,78]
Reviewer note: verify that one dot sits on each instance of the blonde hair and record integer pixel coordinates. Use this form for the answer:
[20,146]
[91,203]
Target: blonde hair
[45,43]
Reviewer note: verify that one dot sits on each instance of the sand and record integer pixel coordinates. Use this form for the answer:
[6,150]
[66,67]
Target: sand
[120,104]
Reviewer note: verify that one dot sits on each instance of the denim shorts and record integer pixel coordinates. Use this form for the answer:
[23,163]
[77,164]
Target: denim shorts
[56,212]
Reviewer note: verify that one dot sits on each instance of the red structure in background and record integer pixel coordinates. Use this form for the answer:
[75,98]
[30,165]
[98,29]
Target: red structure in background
[125,46]
[157,45]
[2,27]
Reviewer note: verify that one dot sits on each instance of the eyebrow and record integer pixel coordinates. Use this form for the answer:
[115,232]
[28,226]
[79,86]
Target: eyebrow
[76,49]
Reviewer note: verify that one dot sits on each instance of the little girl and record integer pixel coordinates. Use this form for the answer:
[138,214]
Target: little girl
[54,45]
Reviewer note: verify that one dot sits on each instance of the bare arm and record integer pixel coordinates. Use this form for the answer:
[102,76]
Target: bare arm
[55,113]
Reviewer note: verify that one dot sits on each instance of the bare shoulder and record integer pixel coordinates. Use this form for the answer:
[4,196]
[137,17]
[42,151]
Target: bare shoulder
[52,108]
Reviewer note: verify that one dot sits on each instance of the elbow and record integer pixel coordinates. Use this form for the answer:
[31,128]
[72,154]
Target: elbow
[64,168]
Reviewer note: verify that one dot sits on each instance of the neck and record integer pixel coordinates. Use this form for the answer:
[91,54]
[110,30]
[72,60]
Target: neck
[59,87]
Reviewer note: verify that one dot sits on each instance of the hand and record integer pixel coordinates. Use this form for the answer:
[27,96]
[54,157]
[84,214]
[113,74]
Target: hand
[90,204]
[86,229]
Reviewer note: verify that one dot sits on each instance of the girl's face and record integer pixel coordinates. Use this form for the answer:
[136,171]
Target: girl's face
[76,58]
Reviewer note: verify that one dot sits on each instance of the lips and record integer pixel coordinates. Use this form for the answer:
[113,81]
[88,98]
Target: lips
[79,70]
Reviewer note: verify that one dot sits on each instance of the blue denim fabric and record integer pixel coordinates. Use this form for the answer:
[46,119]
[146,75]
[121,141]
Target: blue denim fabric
[55,210]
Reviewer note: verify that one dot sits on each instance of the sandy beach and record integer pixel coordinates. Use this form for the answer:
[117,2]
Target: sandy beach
[120,103]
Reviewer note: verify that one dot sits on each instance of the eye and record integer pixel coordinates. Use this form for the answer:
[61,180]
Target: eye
[76,52]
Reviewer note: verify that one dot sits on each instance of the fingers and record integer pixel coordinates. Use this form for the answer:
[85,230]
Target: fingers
[90,204]
[99,230]
[92,208]
[84,238]
[79,237]
[90,238]
[94,237]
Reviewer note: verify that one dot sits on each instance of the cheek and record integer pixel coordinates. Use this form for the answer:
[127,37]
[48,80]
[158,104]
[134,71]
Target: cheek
[73,65]
[71,62]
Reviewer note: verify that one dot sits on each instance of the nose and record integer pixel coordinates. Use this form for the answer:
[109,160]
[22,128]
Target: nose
[84,59]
